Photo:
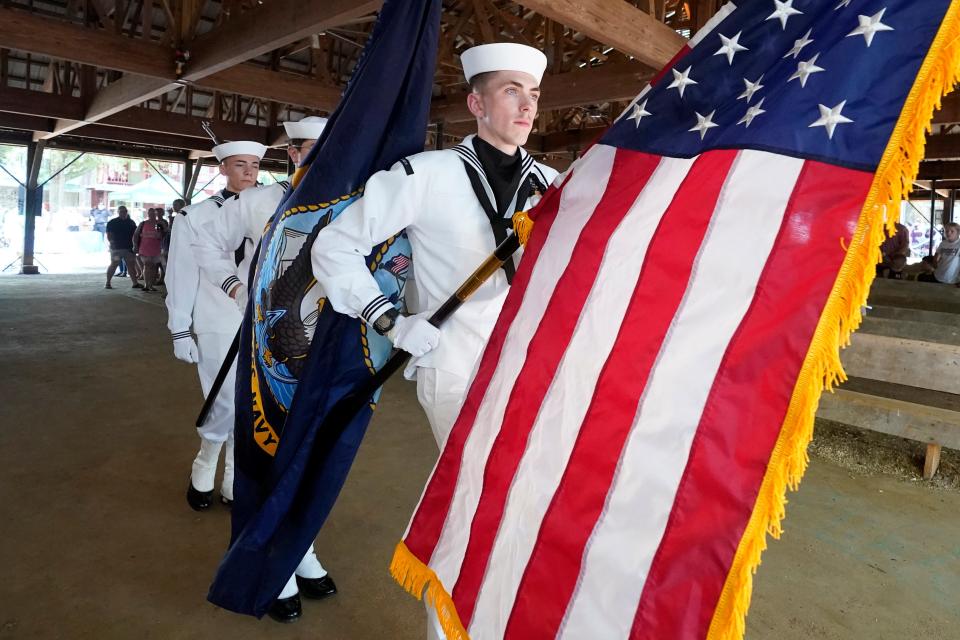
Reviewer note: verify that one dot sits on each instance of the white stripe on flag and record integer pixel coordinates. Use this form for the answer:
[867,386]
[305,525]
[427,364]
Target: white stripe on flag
[712,23]
[569,397]
[577,203]
[741,234]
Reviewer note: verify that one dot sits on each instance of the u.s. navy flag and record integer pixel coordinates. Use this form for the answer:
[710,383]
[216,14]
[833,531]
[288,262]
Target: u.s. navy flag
[298,356]
[648,393]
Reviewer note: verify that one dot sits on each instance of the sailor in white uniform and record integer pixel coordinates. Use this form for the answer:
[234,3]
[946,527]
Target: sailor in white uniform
[243,219]
[194,304]
[456,206]
[246,216]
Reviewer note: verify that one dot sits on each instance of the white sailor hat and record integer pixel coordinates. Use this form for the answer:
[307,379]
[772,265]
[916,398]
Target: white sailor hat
[239,148]
[308,128]
[503,56]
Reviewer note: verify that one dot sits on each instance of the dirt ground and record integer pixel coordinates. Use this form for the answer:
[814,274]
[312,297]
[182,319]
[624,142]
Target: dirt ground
[876,454]
[98,543]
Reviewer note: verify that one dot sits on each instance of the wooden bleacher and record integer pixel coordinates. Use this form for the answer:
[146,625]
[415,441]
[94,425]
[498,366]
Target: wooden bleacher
[904,368]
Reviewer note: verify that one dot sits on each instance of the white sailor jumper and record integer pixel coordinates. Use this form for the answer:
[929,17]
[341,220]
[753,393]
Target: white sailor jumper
[429,195]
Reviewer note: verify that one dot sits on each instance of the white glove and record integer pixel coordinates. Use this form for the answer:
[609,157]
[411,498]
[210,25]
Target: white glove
[414,335]
[240,297]
[186,349]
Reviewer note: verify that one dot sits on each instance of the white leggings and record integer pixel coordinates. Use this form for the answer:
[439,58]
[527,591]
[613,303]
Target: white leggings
[213,349]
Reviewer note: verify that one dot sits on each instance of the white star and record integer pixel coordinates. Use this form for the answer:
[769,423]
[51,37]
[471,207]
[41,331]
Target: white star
[752,113]
[681,80]
[799,44]
[843,3]
[730,47]
[752,88]
[830,118]
[804,69]
[869,25]
[639,112]
[704,123]
[782,11]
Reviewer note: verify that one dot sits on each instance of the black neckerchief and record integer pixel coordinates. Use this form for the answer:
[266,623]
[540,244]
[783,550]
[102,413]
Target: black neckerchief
[483,179]
[502,171]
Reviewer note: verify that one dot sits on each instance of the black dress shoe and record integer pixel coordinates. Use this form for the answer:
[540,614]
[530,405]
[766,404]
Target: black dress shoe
[199,500]
[225,500]
[286,609]
[317,588]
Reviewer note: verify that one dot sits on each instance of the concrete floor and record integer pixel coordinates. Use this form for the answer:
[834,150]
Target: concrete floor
[95,447]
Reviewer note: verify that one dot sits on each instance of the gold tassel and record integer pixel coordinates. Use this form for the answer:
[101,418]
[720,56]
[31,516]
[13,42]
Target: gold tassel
[419,580]
[522,226]
[298,176]
[841,316]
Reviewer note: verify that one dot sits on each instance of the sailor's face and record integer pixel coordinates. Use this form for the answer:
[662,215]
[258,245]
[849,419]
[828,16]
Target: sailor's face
[299,154]
[506,106]
[241,171]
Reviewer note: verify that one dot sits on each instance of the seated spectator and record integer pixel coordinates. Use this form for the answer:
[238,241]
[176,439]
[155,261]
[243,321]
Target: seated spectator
[894,252]
[120,232]
[146,242]
[946,262]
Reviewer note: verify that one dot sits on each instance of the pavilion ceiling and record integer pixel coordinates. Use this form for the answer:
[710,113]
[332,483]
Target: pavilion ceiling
[141,75]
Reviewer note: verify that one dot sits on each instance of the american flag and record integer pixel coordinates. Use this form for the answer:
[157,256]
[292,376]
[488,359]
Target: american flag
[649,389]
[399,265]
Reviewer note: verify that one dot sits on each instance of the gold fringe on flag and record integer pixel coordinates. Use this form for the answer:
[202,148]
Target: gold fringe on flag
[841,316]
[420,580]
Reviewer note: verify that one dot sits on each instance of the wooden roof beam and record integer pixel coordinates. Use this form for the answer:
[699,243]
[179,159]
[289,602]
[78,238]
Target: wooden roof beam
[617,24]
[58,39]
[949,113]
[268,27]
[128,91]
[940,170]
[942,147]
[50,109]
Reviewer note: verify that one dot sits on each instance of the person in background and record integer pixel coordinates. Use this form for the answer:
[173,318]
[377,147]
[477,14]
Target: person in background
[946,260]
[146,241]
[100,217]
[120,232]
[894,252]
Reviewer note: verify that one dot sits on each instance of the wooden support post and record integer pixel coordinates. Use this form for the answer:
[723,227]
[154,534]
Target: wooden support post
[191,172]
[32,206]
[932,461]
[933,204]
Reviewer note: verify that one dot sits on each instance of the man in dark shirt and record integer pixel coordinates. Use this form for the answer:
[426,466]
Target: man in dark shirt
[120,236]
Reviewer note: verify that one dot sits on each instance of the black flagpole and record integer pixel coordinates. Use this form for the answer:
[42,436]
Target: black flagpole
[343,411]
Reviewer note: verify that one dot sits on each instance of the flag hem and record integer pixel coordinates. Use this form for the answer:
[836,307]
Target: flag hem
[841,316]
[420,581]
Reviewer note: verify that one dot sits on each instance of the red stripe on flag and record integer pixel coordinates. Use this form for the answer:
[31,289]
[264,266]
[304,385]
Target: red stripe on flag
[428,520]
[551,573]
[747,404]
[630,174]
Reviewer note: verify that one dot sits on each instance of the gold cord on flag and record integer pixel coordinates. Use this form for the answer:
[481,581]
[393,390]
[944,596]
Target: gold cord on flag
[841,316]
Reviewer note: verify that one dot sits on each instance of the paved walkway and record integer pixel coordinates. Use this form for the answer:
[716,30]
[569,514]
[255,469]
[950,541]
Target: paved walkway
[95,448]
